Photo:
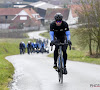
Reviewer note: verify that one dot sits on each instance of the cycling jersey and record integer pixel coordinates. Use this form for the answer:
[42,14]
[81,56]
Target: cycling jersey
[22,45]
[42,45]
[59,31]
[29,45]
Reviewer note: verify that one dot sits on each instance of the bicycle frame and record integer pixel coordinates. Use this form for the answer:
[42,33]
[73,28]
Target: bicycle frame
[60,58]
[60,65]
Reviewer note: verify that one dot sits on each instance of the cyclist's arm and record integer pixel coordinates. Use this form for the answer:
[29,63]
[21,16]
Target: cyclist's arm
[24,45]
[51,32]
[52,35]
[68,35]
[67,32]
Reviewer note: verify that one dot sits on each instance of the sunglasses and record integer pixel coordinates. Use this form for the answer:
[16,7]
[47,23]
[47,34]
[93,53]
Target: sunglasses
[58,21]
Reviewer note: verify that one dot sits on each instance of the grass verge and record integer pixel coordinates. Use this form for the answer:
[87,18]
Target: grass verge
[7,47]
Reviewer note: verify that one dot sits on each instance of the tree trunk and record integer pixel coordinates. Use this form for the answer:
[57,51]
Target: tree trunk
[97,50]
[90,44]
[98,44]
[99,40]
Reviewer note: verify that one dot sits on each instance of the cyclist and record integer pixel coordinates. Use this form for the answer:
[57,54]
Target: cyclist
[37,46]
[23,47]
[42,47]
[29,47]
[59,31]
[32,47]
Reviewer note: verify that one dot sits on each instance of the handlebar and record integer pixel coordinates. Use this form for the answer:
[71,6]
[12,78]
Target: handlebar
[61,44]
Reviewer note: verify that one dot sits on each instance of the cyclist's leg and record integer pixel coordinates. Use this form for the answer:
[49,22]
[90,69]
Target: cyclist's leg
[20,51]
[65,58]
[28,50]
[64,55]
[56,55]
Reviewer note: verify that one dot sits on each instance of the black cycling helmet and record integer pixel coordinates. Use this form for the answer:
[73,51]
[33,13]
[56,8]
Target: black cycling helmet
[58,17]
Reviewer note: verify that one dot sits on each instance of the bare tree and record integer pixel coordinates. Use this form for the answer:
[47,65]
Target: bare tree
[89,16]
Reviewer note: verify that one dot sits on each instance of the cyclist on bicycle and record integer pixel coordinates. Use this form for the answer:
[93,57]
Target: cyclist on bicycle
[59,31]
[22,47]
[29,47]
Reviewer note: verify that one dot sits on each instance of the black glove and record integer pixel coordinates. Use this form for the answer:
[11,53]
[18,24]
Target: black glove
[69,42]
[53,42]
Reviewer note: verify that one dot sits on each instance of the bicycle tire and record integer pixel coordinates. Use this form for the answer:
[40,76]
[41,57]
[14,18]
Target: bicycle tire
[60,72]
[61,76]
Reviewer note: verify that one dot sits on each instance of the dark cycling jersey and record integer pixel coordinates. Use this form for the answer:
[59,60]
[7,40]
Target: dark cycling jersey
[59,31]
[29,45]
[21,45]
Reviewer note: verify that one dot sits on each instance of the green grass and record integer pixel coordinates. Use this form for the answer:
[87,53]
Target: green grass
[79,53]
[75,55]
[8,47]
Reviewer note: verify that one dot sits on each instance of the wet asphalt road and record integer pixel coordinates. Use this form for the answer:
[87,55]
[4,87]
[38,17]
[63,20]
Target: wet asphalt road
[35,72]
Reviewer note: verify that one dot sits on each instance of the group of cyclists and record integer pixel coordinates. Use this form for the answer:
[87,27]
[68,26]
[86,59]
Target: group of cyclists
[40,46]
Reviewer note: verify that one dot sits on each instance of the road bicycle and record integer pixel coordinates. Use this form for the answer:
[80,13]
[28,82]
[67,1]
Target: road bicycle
[60,60]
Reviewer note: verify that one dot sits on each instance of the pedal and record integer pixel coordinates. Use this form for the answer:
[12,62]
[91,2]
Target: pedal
[55,68]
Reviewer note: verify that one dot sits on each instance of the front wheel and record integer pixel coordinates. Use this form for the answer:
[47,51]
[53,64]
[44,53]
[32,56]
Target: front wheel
[60,70]
[60,75]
